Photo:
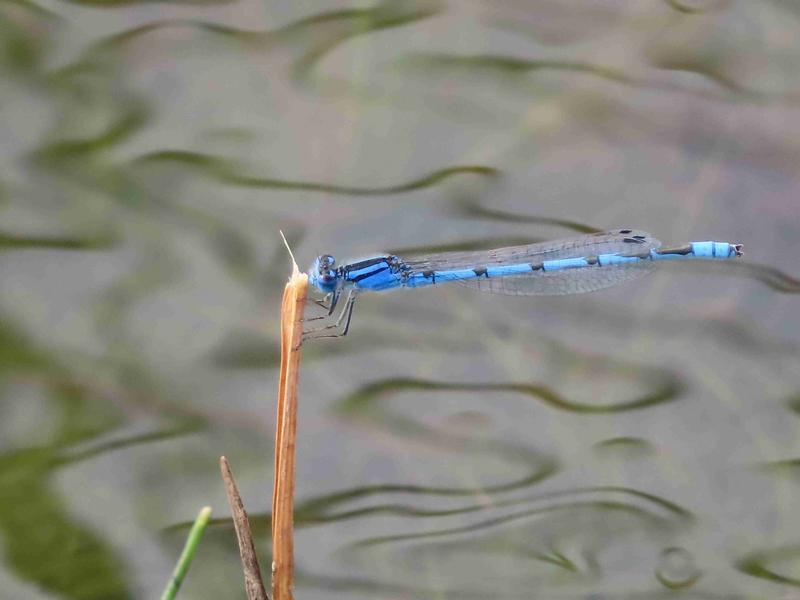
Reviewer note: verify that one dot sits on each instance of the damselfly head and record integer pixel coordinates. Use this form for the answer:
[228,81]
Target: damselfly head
[323,273]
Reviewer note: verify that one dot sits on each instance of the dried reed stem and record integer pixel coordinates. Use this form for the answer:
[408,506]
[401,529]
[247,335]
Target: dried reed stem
[294,301]
[254,585]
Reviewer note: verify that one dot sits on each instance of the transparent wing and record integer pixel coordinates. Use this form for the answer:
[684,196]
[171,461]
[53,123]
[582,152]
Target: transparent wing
[559,283]
[568,281]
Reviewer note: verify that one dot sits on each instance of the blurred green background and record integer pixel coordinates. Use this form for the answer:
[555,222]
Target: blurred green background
[640,442]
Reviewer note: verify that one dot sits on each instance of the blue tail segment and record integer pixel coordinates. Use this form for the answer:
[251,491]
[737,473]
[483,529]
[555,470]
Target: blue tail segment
[705,250]
[701,250]
[569,266]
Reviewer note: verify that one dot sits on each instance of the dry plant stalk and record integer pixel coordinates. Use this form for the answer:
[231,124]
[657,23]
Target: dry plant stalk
[292,309]
[254,585]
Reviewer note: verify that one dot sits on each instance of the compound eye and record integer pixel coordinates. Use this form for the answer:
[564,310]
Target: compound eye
[326,261]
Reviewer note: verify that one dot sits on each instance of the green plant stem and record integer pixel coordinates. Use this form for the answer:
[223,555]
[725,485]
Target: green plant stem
[188,553]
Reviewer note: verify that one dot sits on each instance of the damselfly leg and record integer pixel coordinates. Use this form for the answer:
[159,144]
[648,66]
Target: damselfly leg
[340,324]
[327,303]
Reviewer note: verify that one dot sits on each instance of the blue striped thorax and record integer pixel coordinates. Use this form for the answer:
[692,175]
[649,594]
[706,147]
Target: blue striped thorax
[379,273]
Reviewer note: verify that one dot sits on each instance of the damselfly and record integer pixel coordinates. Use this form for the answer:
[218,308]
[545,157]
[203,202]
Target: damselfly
[568,266]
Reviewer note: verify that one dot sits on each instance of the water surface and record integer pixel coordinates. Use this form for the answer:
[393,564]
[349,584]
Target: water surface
[633,443]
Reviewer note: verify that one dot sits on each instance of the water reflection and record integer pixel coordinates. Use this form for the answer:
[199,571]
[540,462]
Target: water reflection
[228,173]
[100,242]
[474,210]
[565,533]
[665,390]
[676,569]
[633,447]
[44,543]
[770,564]
[700,6]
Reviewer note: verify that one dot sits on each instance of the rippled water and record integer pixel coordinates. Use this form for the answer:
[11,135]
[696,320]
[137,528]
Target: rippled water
[637,442]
